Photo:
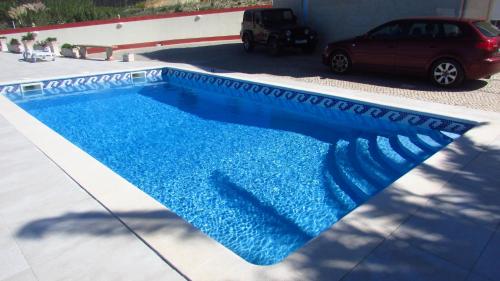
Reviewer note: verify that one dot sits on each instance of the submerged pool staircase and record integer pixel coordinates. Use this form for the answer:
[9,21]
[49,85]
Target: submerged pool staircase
[367,165]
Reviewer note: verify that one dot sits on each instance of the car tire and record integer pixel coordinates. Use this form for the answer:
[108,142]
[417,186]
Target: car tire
[447,73]
[274,46]
[340,62]
[248,44]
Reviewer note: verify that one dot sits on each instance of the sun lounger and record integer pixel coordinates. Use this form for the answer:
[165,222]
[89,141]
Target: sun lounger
[34,55]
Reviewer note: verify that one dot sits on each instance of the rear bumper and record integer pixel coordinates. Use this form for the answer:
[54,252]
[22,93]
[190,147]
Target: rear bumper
[485,68]
[298,41]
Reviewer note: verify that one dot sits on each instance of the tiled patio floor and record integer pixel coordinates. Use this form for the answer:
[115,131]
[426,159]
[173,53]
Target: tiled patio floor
[51,229]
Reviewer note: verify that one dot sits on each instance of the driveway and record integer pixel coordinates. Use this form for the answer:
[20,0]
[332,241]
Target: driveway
[229,56]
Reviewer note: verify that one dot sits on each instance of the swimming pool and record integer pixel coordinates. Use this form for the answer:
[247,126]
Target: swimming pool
[259,174]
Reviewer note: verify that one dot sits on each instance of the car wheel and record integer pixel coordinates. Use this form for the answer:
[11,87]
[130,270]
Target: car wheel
[447,73]
[247,43]
[340,63]
[274,46]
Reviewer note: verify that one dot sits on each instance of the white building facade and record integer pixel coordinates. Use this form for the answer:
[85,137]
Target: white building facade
[340,19]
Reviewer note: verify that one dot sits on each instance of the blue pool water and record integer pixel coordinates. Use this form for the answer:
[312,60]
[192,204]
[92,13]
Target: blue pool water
[260,180]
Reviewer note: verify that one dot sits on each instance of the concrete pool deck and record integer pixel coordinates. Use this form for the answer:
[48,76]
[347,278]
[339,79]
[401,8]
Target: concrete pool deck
[439,222]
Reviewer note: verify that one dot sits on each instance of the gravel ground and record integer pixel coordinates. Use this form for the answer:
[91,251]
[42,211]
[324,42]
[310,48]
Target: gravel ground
[229,56]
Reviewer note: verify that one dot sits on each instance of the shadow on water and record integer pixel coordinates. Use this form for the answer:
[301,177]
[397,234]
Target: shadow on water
[231,58]
[246,201]
[237,111]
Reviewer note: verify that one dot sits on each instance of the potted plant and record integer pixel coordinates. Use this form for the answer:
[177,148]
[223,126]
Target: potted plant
[70,51]
[53,45]
[41,45]
[3,44]
[15,46]
[28,41]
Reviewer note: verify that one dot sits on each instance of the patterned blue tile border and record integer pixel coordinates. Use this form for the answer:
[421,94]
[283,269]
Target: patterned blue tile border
[78,84]
[312,102]
[321,105]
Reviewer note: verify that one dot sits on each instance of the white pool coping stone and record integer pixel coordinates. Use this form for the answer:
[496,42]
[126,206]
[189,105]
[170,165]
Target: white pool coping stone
[199,257]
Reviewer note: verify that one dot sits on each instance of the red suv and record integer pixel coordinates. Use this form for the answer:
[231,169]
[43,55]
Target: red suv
[446,50]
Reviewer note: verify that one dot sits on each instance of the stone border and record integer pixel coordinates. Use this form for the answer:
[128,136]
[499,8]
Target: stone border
[69,85]
[200,258]
[322,105]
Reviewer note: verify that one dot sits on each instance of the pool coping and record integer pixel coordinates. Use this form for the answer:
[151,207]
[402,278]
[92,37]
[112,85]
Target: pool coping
[199,257]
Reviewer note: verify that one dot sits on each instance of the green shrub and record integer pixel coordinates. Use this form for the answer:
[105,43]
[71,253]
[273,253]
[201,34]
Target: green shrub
[47,12]
[14,41]
[29,36]
[67,46]
[51,39]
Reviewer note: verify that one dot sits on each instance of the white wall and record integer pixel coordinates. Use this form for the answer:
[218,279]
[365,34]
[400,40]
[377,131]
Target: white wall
[495,11]
[295,5]
[477,9]
[340,19]
[207,25]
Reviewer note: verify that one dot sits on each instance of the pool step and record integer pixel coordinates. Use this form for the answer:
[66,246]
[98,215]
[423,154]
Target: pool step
[411,149]
[407,149]
[362,167]
[349,174]
[391,156]
[427,142]
[369,165]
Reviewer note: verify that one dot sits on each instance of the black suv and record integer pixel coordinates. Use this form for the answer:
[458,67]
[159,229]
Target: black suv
[275,28]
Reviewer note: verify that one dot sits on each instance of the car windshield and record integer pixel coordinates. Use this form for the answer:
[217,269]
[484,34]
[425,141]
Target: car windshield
[487,29]
[278,17]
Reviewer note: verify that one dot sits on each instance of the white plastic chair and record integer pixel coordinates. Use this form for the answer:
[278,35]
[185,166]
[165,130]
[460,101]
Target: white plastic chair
[34,55]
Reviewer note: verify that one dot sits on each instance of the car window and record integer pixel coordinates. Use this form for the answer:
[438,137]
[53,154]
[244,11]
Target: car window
[451,30]
[247,16]
[423,30]
[277,16]
[487,29]
[390,31]
[257,17]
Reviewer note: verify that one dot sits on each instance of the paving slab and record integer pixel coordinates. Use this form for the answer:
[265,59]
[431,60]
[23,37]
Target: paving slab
[445,236]
[26,275]
[396,260]
[45,221]
[12,260]
[489,262]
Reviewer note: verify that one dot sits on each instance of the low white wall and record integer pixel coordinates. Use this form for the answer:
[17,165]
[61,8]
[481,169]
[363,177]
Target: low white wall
[151,30]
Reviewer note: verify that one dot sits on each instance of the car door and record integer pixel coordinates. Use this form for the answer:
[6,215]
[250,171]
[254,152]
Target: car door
[376,49]
[418,47]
